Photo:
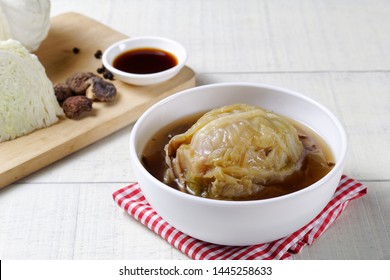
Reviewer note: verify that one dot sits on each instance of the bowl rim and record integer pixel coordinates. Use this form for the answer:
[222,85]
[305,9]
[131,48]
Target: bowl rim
[339,164]
[111,48]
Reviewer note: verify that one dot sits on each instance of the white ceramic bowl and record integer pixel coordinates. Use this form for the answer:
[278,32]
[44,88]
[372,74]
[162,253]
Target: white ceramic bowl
[165,44]
[238,222]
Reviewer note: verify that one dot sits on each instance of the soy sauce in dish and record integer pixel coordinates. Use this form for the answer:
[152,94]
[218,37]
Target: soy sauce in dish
[144,61]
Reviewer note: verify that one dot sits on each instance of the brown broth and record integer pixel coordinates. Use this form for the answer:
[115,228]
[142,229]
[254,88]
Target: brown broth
[144,61]
[313,168]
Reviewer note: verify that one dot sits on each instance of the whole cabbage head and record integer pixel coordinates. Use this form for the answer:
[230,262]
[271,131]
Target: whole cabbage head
[27,21]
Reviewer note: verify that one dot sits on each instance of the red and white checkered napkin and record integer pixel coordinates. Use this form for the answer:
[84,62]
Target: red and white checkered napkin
[131,200]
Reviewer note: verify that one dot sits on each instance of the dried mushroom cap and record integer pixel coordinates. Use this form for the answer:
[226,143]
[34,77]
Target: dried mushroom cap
[101,90]
[75,105]
[62,91]
[80,82]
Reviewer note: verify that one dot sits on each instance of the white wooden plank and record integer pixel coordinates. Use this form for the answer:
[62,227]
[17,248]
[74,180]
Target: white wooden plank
[361,232]
[105,231]
[81,222]
[252,35]
[38,221]
[72,221]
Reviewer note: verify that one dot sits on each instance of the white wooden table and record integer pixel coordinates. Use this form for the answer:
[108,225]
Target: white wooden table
[336,52]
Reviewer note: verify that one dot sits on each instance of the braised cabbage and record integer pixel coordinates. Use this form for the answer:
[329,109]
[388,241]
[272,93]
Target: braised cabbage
[234,152]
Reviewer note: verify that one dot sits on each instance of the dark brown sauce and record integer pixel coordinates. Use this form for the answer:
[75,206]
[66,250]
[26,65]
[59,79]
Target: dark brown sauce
[313,168]
[144,61]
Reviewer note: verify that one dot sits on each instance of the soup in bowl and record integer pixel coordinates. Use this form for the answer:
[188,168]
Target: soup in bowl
[229,163]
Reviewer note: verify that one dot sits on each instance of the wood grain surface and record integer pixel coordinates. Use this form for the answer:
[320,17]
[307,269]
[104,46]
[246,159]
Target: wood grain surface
[24,155]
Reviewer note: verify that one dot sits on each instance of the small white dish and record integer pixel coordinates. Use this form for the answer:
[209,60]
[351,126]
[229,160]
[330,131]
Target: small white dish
[165,44]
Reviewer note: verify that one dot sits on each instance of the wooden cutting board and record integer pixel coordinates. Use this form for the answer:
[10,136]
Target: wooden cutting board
[24,155]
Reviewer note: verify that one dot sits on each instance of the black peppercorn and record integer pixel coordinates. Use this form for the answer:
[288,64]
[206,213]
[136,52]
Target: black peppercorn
[98,54]
[108,75]
[101,70]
